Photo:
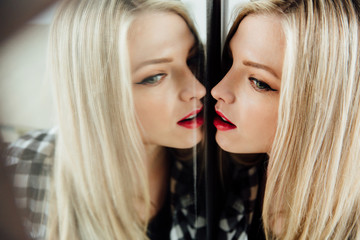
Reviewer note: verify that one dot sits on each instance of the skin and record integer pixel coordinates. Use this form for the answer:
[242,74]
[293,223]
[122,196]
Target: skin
[248,95]
[165,90]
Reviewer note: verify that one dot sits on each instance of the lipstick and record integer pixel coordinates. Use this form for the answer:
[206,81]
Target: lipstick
[222,123]
[192,120]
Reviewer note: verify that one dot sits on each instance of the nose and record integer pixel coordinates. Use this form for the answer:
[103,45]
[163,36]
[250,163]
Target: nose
[192,88]
[223,91]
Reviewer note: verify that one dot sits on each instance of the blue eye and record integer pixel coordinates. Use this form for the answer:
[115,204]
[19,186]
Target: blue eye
[152,80]
[260,85]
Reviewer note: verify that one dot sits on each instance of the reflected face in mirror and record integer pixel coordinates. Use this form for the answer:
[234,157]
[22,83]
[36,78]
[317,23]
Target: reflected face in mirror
[166,92]
[248,96]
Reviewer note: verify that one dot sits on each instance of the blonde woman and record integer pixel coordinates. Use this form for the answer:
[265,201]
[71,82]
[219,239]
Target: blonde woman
[292,91]
[123,74]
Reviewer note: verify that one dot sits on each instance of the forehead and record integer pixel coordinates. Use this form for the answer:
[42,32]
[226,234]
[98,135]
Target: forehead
[155,33]
[259,36]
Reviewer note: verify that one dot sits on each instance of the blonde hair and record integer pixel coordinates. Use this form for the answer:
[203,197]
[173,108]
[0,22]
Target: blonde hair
[313,187]
[99,169]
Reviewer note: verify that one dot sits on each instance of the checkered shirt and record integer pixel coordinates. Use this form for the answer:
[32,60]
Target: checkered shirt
[240,202]
[188,206]
[31,158]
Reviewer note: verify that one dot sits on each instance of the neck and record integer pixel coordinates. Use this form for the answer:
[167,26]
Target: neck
[155,159]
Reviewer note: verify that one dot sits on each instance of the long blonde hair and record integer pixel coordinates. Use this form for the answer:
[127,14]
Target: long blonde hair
[313,185]
[99,169]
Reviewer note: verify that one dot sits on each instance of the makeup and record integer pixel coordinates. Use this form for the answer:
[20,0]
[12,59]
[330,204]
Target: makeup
[192,120]
[222,123]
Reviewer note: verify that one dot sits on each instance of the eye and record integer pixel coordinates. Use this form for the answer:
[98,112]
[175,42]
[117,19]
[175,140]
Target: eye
[260,85]
[152,80]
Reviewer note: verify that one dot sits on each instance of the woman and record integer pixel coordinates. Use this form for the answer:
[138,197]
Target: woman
[125,90]
[292,91]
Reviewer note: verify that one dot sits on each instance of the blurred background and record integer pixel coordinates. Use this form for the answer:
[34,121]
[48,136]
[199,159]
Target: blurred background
[25,91]
[25,95]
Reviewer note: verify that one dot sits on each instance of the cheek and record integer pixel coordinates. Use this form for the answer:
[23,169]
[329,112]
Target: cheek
[153,112]
[146,121]
[142,107]
[259,118]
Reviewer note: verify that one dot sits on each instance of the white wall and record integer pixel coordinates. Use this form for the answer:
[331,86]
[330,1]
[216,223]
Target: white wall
[197,9]
[25,101]
[230,8]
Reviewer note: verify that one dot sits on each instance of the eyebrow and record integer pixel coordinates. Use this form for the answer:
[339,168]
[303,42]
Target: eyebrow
[153,61]
[260,66]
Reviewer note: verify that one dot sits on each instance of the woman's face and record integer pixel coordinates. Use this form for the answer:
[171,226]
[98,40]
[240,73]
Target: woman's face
[166,92]
[248,96]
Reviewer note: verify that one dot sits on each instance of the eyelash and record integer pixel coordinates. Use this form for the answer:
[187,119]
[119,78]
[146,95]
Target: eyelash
[152,80]
[260,85]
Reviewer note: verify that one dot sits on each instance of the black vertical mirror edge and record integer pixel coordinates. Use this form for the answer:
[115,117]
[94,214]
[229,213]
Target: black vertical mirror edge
[212,74]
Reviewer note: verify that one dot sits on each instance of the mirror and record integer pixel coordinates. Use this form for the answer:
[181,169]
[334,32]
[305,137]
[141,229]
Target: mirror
[27,105]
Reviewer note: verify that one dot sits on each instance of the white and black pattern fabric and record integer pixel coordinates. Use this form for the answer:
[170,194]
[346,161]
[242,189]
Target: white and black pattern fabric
[188,214]
[31,158]
[241,196]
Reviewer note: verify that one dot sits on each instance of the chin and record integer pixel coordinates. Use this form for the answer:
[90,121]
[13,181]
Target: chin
[240,147]
[188,142]
[230,146]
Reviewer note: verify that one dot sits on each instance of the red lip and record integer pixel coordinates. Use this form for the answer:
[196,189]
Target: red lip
[194,122]
[221,124]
